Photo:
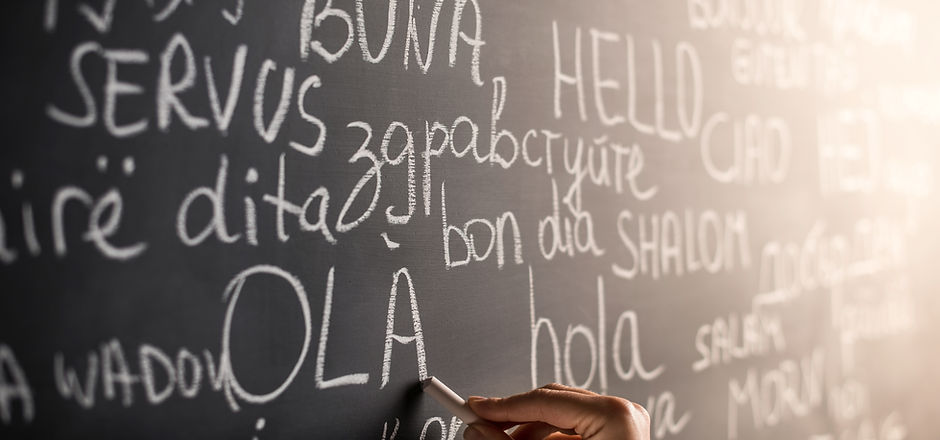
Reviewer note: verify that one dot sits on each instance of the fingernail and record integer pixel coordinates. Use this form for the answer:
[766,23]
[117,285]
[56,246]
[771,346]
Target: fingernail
[476,401]
[473,433]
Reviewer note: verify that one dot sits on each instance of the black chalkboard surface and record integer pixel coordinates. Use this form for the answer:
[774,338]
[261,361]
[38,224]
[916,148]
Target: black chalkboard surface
[247,219]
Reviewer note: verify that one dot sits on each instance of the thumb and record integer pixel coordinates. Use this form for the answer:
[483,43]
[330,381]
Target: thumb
[484,431]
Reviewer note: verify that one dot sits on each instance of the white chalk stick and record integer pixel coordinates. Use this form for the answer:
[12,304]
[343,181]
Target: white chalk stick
[449,399]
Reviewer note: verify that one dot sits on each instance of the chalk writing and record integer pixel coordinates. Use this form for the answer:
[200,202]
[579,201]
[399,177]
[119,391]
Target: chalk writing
[722,210]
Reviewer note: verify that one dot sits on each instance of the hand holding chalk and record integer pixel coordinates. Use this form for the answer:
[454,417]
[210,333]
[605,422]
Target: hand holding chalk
[560,409]
[544,411]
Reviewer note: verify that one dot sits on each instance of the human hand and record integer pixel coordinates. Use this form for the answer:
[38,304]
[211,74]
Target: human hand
[545,413]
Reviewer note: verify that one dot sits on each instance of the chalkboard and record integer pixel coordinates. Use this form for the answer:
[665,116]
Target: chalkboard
[271,219]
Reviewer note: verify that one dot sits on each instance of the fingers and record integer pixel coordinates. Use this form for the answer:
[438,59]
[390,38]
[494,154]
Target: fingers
[641,417]
[564,409]
[534,431]
[560,387]
[484,431]
[505,426]
[560,436]
[559,412]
